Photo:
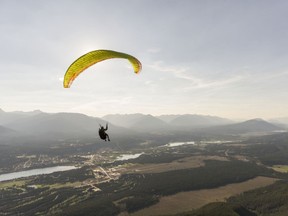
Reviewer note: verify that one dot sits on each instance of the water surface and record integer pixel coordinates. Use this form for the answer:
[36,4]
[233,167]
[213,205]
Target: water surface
[33,172]
[128,156]
[174,144]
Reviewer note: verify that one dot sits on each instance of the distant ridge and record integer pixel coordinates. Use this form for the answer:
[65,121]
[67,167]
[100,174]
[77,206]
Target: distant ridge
[137,121]
[7,117]
[283,121]
[125,120]
[58,123]
[34,112]
[195,121]
[250,126]
[58,126]
[168,118]
[187,120]
[5,130]
[150,123]
[210,124]
[48,127]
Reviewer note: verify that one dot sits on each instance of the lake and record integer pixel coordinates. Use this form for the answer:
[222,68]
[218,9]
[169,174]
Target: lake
[128,156]
[174,144]
[27,173]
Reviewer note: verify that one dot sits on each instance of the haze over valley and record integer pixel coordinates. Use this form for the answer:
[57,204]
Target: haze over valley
[233,156]
[57,126]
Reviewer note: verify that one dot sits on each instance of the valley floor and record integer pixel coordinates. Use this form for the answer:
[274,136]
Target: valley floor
[160,180]
[187,201]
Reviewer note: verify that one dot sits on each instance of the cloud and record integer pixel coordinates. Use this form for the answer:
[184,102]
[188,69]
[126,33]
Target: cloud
[217,83]
[195,82]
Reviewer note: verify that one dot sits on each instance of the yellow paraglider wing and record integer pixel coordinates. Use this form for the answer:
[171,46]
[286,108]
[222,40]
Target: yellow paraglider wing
[94,57]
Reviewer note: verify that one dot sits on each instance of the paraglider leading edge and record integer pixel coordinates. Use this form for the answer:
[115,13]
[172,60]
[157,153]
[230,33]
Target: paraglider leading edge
[93,57]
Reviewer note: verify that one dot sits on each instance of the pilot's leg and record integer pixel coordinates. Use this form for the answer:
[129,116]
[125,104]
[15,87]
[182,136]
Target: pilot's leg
[108,137]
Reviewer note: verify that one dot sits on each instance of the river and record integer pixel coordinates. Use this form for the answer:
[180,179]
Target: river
[32,172]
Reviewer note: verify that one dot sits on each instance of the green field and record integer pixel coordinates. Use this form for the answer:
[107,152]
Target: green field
[280,168]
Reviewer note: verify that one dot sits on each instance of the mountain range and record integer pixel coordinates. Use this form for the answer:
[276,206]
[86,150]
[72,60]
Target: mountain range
[5,131]
[75,125]
[252,126]
[149,122]
[138,122]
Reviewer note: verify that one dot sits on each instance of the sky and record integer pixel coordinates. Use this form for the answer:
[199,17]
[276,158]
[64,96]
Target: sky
[225,58]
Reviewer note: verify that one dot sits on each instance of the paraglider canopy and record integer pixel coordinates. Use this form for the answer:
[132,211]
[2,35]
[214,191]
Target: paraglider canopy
[93,57]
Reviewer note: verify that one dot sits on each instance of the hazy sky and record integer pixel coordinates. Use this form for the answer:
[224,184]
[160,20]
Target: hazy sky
[220,57]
